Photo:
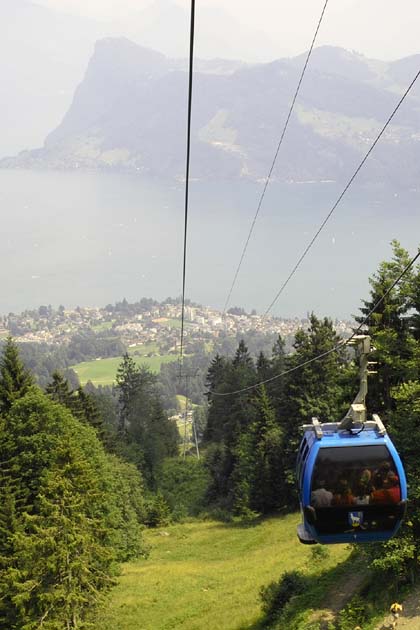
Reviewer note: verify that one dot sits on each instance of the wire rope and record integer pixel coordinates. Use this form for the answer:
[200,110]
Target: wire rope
[331,350]
[268,178]
[187,175]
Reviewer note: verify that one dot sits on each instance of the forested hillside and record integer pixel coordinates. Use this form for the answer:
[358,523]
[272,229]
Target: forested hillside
[84,471]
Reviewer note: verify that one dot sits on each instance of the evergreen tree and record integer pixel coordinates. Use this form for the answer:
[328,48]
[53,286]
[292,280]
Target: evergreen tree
[58,389]
[149,436]
[15,380]
[216,382]
[263,367]
[275,388]
[228,417]
[397,351]
[258,471]
[87,410]
[65,516]
[80,402]
[127,381]
[315,389]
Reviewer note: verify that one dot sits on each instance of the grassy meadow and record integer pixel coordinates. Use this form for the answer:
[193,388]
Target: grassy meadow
[208,574]
[103,371]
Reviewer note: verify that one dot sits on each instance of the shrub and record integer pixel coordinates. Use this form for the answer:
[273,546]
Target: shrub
[319,553]
[277,594]
[157,511]
[183,483]
[354,613]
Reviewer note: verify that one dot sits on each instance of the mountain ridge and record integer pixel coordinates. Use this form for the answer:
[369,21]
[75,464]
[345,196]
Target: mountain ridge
[119,118]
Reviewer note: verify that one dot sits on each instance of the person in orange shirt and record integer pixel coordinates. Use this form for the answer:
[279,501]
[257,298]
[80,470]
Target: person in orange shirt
[386,490]
[343,494]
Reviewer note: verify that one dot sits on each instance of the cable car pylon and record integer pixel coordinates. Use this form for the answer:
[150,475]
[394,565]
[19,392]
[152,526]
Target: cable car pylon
[351,480]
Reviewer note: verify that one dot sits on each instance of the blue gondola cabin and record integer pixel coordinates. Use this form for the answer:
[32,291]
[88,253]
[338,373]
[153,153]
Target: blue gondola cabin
[352,484]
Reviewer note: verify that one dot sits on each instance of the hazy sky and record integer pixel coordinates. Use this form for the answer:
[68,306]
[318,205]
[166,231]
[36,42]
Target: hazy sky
[376,28]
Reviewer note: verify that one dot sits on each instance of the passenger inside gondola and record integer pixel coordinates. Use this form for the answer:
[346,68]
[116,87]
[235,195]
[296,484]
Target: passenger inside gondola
[349,477]
[363,488]
[320,496]
[343,494]
[386,490]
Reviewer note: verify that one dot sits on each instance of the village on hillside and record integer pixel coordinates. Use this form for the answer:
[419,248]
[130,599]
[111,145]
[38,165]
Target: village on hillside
[147,322]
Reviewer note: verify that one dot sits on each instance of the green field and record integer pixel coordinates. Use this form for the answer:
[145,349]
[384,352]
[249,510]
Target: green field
[103,371]
[208,574]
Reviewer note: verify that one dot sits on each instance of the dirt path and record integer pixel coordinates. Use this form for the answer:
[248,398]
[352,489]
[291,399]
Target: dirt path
[410,619]
[338,598]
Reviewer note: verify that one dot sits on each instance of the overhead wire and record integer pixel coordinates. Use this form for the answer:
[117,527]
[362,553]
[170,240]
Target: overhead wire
[187,176]
[349,183]
[339,346]
[268,178]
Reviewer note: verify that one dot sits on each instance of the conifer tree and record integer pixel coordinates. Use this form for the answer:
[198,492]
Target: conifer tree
[391,329]
[59,390]
[87,410]
[313,390]
[258,471]
[127,381]
[276,387]
[216,382]
[228,417]
[68,512]
[15,380]
[149,436]
[263,367]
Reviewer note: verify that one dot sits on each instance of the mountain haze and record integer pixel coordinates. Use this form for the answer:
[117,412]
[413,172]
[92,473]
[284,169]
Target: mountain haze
[129,113]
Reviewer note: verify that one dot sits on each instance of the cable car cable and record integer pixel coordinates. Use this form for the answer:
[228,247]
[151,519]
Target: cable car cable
[187,174]
[335,348]
[268,178]
[351,180]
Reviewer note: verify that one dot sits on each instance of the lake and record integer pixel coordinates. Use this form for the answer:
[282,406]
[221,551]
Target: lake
[91,238]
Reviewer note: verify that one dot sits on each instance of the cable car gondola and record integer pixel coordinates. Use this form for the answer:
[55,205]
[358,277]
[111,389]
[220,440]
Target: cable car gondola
[351,479]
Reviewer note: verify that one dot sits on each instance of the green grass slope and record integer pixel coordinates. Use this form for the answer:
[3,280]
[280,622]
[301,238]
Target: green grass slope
[103,371]
[207,574]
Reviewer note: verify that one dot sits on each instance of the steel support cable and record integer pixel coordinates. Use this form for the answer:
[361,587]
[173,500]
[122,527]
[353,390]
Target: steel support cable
[187,175]
[268,178]
[349,183]
[335,348]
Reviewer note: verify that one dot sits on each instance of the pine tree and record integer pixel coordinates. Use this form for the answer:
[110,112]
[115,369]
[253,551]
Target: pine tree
[68,512]
[149,436]
[316,389]
[263,367]
[216,382]
[127,381]
[258,471]
[88,410]
[390,327]
[59,390]
[228,416]
[276,387]
[15,380]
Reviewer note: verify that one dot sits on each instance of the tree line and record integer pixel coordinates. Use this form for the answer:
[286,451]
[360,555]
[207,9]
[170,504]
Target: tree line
[75,493]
